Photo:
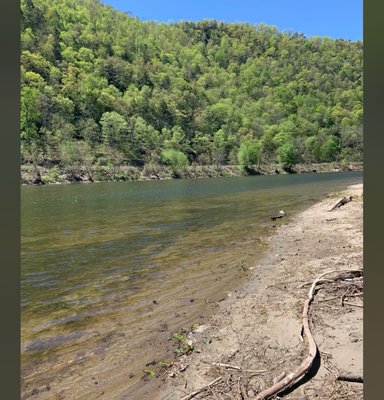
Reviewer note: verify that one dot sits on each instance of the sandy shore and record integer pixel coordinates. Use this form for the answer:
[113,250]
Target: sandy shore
[258,327]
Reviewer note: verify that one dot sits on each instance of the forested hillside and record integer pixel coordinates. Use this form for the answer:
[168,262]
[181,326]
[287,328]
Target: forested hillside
[99,87]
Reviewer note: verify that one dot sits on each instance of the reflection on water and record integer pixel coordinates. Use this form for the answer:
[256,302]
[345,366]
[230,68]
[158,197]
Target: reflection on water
[110,269]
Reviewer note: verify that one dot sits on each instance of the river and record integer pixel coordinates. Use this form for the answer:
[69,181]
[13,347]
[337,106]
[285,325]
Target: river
[110,270]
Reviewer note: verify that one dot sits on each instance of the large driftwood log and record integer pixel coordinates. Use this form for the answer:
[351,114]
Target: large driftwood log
[304,367]
[341,202]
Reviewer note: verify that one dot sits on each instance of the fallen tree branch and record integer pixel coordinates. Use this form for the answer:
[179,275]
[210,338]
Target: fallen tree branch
[304,367]
[341,202]
[196,392]
[350,378]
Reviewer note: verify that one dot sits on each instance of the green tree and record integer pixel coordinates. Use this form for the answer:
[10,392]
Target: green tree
[329,149]
[70,156]
[203,147]
[249,154]
[30,116]
[145,140]
[175,159]
[114,129]
[288,155]
[91,73]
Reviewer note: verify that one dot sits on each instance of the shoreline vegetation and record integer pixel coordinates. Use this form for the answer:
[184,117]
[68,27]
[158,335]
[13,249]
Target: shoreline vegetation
[42,175]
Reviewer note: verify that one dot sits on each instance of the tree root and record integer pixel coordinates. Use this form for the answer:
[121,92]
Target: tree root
[304,367]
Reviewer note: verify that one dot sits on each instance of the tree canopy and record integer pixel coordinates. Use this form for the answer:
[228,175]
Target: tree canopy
[203,92]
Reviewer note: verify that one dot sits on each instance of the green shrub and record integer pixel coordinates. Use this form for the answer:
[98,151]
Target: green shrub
[51,176]
[288,155]
[177,160]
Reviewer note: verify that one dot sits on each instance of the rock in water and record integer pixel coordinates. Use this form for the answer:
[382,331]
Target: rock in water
[280,214]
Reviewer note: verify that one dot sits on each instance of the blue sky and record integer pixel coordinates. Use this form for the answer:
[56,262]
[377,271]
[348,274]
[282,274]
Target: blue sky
[333,18]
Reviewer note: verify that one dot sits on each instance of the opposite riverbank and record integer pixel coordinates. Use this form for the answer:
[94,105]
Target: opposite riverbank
[57,175]
[255,335]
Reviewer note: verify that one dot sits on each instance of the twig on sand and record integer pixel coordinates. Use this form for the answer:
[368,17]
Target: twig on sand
[304,367]
[344,296]
[229,366]
[328,299]
[353,305]
[196,392]
[237,368]
[329,369]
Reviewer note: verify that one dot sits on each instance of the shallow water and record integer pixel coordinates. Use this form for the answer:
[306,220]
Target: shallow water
[110,270]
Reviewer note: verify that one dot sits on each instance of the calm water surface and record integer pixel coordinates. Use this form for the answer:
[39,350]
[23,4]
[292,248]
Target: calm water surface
[110,270]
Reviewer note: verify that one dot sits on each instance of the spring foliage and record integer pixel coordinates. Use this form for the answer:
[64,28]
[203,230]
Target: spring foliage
[190,92]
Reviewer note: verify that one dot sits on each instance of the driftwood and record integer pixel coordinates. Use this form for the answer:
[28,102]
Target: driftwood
[341,202]
[357,273]
[350,378]
[304,367]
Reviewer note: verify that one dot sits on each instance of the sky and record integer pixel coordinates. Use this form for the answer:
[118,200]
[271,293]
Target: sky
[337,19]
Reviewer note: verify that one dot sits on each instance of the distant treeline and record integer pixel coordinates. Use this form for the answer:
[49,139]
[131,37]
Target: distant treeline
[99,87]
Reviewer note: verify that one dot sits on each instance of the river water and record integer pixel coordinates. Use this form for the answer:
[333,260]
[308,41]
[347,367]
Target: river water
[110,270]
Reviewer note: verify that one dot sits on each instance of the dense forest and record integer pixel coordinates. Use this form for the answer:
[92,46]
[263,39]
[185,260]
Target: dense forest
[101,88]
